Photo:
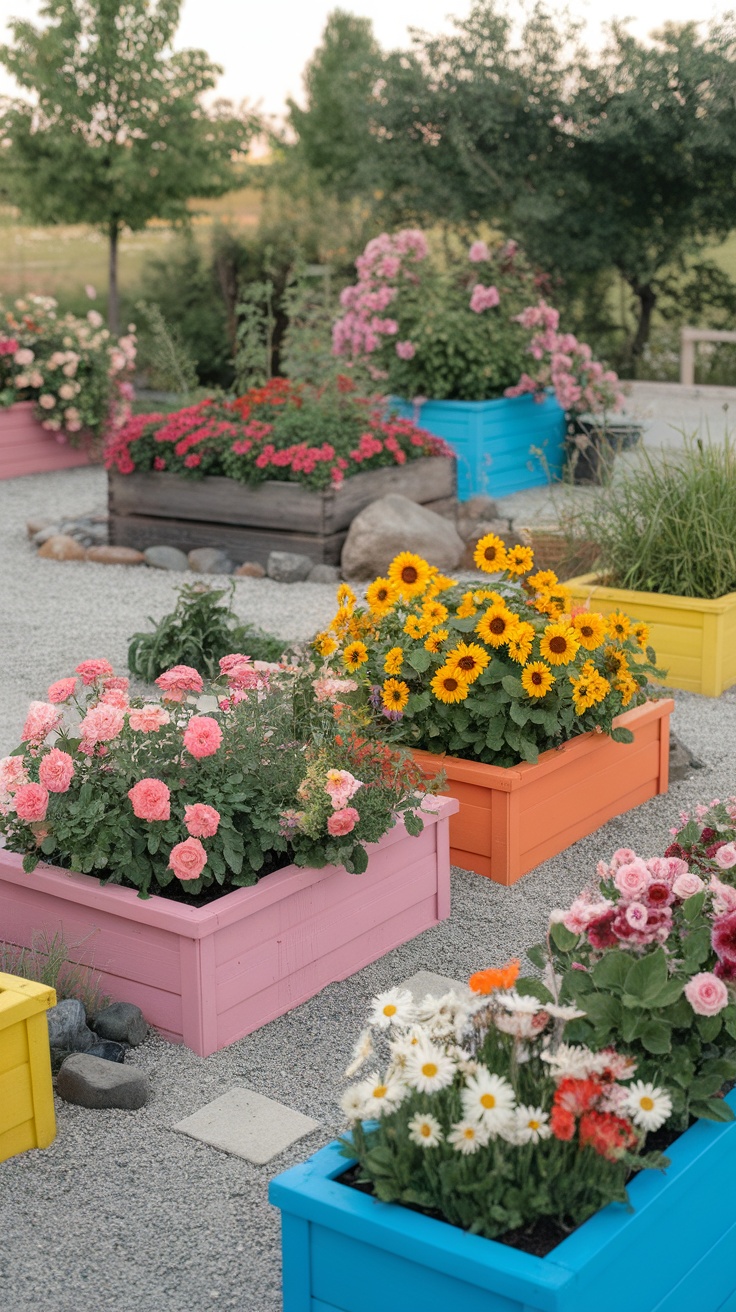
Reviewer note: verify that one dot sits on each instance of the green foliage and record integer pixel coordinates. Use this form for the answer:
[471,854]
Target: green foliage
[311,305]
[201,629]
[50,961]
[667,525]
[184,287]
[169,367]
[255,335]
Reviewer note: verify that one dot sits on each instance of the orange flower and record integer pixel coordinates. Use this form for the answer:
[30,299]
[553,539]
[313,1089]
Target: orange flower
[485,981]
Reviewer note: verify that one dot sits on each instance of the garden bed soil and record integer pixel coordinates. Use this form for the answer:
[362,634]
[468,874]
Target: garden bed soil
[248,523]
[27,448]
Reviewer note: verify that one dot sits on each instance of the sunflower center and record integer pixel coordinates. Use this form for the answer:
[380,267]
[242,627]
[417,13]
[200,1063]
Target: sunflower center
[558,645]
[409,574]
[487,1100]
[490,553]
[382,594]
[467,663]
[536,677]
[429,1070]
[497,624]
[586,631]
[646,1103]
[451,685]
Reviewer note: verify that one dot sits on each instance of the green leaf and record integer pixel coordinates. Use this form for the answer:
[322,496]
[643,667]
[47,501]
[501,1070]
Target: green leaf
[622,735]
[714,1109]
[419,701]
[656,1036]
[48,845]
[512,685]
[529,987]
[413,823]
[603,1009]
[611,971]
[692,906]
[669,994]
[709,1027]
[645,979]
[420,659]
[563,939]
[30,861]
[537,955]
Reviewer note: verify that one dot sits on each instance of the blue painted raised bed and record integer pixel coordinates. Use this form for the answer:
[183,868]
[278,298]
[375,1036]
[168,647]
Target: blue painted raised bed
[497,442]
[675,1252]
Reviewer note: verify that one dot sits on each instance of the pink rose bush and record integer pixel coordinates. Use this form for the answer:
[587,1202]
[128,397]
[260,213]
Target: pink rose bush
[158,796]
[580,383]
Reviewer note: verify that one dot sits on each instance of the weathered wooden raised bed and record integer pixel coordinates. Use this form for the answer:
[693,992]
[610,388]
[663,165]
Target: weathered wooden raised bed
[148,509]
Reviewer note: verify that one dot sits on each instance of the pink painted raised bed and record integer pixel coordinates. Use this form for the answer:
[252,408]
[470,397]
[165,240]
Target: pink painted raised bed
[27,448]
[207,976]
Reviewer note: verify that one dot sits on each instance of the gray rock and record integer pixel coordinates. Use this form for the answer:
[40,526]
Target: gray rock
[250,569]
[107,1050]
[476,510]
[289,567]
[323,574]
[682,761]
[123,1022]
[394,524]
[209,560]
[166,558]
[43,534]
[37,524]
[94,1082]
[67,1023]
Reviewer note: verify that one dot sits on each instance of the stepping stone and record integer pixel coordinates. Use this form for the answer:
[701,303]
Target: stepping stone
[425,982]
[247,1125]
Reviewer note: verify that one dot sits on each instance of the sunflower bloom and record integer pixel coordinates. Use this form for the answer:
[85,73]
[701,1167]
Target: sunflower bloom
[448,687]
[537,679]
[381,596]
[589,688]
[395,694]
[640,634]
[519,560]
[467,609]
[496,625]
[440,583]
[435,640]
[488,594]
[434,613]
[559,644]
[626,684]
[502,977]
[590,628]
[355,655]
[341,623]
[415,627]
[346,598]
[521,640]
[409,573]
[542,580]
[468,660]
[619,625]
[616,661]
[393,660]
[325,644]
[490,554]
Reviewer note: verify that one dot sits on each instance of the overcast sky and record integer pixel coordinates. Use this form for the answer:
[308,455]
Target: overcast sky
[263,45]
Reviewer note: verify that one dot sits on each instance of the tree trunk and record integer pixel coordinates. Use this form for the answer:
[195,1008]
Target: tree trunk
[113,319]
[647,298]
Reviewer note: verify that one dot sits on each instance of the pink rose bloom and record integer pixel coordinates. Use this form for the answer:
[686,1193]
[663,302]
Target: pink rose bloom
[623,856]
[148,719]
[724,896]
[115,697]
[202,736]
[117,681]
[484,298]
[31,802]
[583,912]
[101,723]
[179,680]
[12,774]
[327,689]
[91,670]
[723,936]
[151,800]
[56,771]
[637,915]
[632,879]
[200,820]
[478,252]
[406,350]
[726,856]
[340,786]
[659,894]
[687,885]
[61,691]
[188,859]
[706,994]
[40,721]
[342,822]
[236,668]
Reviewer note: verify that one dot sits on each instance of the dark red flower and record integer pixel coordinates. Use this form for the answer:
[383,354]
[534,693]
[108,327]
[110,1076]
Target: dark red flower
[723,938]
[600,932]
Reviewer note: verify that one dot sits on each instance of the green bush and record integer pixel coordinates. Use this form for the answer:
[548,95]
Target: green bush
[199,631]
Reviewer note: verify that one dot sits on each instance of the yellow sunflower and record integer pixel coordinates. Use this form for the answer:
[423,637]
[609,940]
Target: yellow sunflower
[496,625]
[340,625]
[640,634]
[393,660]
[521,640]
[434,613]
[414,627]
[616,661]
[325,644]
[346,598]
[542,580]
[488,594]
[468,660]
[490,554]
[409,573]
[627,686]
[435,640]
[466,610]
[355,655]
[590,628]
[395,694]
[519,560]
[559,644]
[381,596]
[619,625]
[537,679]
[588,688]
[447,686]
[440,583]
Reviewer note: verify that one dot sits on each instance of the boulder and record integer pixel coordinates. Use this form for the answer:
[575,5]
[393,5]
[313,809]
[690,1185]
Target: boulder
[67,1023]
[250,569]
[165,558]
[94,1082]
[323,574]
[38,524]
[105,555]
[60,546]
[123,1022]
[209,560]
[289,567]
[475,511]
[393,524]
[107,1050]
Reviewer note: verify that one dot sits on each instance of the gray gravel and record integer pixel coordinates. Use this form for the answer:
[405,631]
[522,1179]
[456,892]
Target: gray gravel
[120,1213]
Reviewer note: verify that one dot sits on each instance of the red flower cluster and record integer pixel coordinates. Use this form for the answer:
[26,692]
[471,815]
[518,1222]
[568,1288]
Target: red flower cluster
[580,1104]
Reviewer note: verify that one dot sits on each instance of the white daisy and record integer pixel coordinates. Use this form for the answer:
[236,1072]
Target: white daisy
[488,1099]
[563,1013]
[648,1106]
[574,1061]
[428,1068]
[444,1017]
[530,1125]
[520,1003]
[395,1007]
[467,1137]
[353,1102]
[425,1130]
[361,1052]
[382,1095]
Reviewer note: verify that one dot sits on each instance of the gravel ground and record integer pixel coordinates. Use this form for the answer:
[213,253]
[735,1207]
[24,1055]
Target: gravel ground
[120,1213]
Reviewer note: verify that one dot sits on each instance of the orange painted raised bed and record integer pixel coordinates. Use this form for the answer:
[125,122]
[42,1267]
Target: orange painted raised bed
[513,818]
[27,448]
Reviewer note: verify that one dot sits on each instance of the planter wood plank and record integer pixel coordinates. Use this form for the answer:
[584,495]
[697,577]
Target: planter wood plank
[511,819]
[249,522]
[27,448]
[208,976]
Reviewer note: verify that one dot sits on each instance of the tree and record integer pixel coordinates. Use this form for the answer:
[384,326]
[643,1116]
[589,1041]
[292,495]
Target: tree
[113,131]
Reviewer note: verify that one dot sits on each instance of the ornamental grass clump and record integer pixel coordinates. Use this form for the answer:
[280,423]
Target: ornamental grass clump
[476,1108]
[204,789]
[667,525]
[494,674]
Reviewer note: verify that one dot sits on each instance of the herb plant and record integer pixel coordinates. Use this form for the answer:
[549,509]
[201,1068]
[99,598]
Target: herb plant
[198,632]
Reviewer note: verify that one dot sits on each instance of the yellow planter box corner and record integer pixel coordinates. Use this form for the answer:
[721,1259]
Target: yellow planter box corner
[26,1093]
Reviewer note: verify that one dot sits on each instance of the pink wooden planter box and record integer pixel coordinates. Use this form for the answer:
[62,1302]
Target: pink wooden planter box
[207,976]
[26,447]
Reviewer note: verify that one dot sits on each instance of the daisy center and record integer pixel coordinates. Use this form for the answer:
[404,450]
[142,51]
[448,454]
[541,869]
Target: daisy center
[429,1070]
[469,1132]
[389,1009]
[533,1125]
[380,1091]
[425,1130]
[487,1100]
[646,1104]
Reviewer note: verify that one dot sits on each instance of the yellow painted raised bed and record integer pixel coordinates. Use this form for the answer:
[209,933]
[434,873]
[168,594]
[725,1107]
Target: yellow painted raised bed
[26,1094]
[695,640]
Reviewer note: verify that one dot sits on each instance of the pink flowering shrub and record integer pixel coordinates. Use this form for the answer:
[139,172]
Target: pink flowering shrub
[648,952]
[77,374]
[167,797]
[285,431]
[580,383]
